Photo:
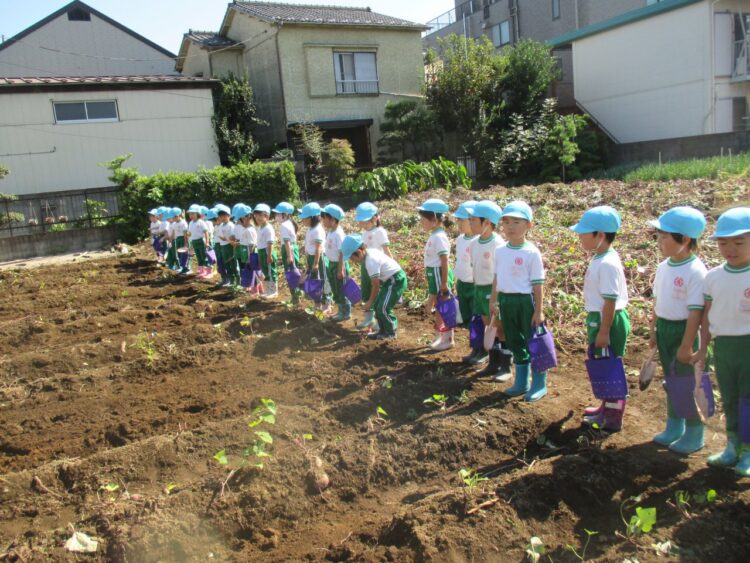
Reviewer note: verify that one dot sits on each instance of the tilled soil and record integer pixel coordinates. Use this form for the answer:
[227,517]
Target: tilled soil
[117,375]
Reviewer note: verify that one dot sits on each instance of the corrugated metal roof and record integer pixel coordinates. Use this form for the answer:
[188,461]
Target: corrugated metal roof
[618,21]
[209,39]
[321,15]
[156,79]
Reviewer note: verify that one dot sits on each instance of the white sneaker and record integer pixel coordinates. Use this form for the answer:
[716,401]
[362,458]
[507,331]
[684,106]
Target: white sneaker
[438,339]
[445,342]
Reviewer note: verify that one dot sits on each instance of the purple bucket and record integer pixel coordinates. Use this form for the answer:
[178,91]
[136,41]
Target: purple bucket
[680,389]
[352,291]
[476,332]
[542,350]
[183,256]
[448,311]
[607,376]
[211,256]
[744,424]
[293,276]
[314,289]
[708,391]
[253,263]
[246,277]
[158,245]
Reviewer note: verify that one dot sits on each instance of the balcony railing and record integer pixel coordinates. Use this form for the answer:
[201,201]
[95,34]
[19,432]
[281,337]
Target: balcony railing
[452,16]
[357,87]
[742,59]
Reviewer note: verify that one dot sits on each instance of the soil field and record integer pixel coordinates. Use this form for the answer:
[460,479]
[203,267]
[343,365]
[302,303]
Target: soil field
[119,384]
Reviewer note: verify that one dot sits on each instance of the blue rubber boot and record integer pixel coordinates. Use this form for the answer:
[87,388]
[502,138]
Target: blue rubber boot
[538,387]
[729,457]
[521,383]
[691,441]
[674,431]
[743,465]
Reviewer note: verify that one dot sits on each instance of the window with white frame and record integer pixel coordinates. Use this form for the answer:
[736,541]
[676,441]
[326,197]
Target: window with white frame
[99,111]
[356,73]
[501,33]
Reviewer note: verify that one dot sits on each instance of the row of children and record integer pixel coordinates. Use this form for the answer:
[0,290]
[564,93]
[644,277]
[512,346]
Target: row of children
[500,280]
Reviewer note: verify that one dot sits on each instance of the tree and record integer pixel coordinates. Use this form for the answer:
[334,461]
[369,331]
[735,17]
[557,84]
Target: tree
[339,161]
[309,142]
[410,130]
[10,216]
[234,120]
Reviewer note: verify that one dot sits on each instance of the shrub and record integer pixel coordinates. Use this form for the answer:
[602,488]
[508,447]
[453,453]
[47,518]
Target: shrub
[399,179]
[339,161]
[410,130]
[248,182]
[309,142]
[234,120]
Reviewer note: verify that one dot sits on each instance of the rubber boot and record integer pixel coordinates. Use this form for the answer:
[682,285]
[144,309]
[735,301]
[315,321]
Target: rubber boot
[469,356]
[436,341]
[674,431]
[521,383]
[490,370]
[480,356]
[538,387]
[614,411]
[594,411]
[367,321]
[743,465]
[730,456]
[504,370]
[691,441]
[446,341]
[270,290]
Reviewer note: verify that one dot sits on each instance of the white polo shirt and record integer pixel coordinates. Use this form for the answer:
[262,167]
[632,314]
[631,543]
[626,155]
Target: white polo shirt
[179,228]
[266,236]
[376,238]
[224,230]
[247,236]
[483,258]
[464,270]
[197,229]
[437,245]
[379,265]
[287,231]
[678,288]
[728,290]
[518,268]
[154,228]
[314,236]
[333,244]
[605,281]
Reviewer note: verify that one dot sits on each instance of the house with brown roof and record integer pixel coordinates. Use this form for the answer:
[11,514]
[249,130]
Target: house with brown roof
[333,66]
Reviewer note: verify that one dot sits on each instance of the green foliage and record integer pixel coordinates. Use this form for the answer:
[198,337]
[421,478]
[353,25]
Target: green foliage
[529,71]
[582,555]
[58,227]
[410,130]
[3,171]
[437,399]
[642,521]
[309,142]
[234,120]
[712,168]
[338,162]
[535,549]
[471,478]
[397,180]
[249,182]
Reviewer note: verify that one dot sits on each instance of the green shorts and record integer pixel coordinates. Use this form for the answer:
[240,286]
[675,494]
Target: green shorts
[482,296]
[618,332]
[434,281]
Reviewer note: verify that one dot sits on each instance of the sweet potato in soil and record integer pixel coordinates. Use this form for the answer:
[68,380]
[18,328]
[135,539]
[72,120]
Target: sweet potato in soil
[114,372]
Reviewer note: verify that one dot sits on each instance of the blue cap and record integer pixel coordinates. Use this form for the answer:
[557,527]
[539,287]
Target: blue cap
[349,245]
[204,209]
[153,212]
[284,207]
[311,209]
[334,211]
[195,208]
[176,211]
[221,208]
[682,221]
[487,209]
[519,209]
[464,210]
[733,223]
[434,205]
[262,208]
[241,210]
[602,219]
[365,211]
[161,210]
[211,214]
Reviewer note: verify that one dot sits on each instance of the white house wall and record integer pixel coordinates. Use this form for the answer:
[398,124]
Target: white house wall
[649,79]
[100,47]
[163,129]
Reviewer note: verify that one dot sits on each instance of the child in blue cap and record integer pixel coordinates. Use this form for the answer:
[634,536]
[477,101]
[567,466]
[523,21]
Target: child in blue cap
[338,269]
[154,230]
[605,295]
[376,237]
[438,272]
[225,232]
[179,236]
[388,283]
[211,216]
[266,253]
[245,240]
[678,310]
[517,296]
[464,273]
[283,214]
[315,239]
[726,319]
[198,234]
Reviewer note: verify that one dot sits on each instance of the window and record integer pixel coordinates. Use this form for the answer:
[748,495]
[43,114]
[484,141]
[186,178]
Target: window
[85,112]
[555,9]
[356,73]
[79,15]
[501,33]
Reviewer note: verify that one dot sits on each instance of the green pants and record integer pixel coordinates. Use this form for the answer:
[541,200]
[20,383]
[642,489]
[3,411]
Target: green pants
[481,301]
[465,294]
[199,247]
[230,264]
[295,293]
[179,242]
[516,309]
[337,285]
[668,339]
[269,270]
[322,266]
[434,280]
[220,261]
[733,374]
[366,283]
[389,294]
[618,332]
[172,255]
[241,254]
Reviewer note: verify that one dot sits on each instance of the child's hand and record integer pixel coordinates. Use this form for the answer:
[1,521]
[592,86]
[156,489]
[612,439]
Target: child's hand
[684,354]
[341,275]
[269,259]
[494,311]
[652,340]
[602,340]
[537,319]
[699,359]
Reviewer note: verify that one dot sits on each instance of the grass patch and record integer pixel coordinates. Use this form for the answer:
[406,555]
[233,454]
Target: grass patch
[717,167]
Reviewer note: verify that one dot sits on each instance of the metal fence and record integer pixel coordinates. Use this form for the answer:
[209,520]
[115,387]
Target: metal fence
[58,211]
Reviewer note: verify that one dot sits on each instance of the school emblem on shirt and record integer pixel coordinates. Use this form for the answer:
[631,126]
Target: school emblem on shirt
[486,255]
[747,293]
[519,261]
[679,282]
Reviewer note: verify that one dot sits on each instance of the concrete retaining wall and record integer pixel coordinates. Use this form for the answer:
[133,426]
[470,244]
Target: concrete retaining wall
[48,244]
[680,148]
